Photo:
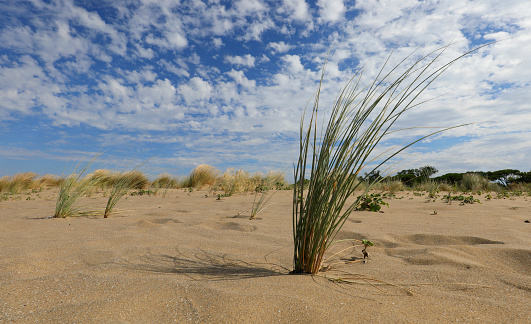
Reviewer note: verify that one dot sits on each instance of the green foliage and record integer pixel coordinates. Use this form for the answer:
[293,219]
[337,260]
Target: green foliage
[461,198]
[372,202]
[366,244]
[416,175]
[142,192]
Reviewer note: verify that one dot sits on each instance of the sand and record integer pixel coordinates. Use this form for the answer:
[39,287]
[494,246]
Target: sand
[187,257]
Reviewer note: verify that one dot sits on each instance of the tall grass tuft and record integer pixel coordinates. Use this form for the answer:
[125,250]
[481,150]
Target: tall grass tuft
[47,181]
[202,175]
[4,183]
[358,122]
[166,181]
[475,182]
[238,181]
[104,178]
[392,186]
[72,188]
[235,181]
[17,183]
[129,180]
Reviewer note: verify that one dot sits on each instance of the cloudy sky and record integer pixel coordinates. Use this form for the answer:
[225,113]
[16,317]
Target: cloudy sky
[224,82]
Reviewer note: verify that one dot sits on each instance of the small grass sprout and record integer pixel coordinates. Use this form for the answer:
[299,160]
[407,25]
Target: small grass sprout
[366,244]
[260,205]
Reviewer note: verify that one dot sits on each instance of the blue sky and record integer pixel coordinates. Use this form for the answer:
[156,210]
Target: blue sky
[224,82]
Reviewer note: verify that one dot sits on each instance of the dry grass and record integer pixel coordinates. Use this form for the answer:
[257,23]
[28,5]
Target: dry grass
[475,182]
[104,178]
[202,176]
[135,178]
[391,186]
[166,181]
[17,183]
[233,182]
[47,181]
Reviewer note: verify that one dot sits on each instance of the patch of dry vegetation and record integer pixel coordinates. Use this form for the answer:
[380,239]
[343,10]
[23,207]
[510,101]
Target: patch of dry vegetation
[238,181]
[202,176]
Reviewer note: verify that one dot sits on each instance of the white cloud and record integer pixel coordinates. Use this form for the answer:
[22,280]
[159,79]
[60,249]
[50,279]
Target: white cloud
[245,60]
[296,9]
[196,89]
[331,10]
[294,65]
[240,78]
[217,42]
[147,70]
[246,7]
[23,87]
[279,47]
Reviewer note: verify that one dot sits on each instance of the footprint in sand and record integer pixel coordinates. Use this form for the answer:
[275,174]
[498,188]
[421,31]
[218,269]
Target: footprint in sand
[157,222]
[232,226]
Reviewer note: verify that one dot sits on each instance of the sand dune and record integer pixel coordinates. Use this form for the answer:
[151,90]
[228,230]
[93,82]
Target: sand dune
[189,257]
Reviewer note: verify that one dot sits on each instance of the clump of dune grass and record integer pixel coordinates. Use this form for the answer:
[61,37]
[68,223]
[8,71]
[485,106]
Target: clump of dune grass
[137,179]
[203,175]
[234,181]
[47,181]
[475,182]
[391,186]
[17,183]
[274,179]
[239,181]
[445,186]
[429,185]
[359,120]
[72,188]
[104,178]
[4,183]
[134,179]
[166,181]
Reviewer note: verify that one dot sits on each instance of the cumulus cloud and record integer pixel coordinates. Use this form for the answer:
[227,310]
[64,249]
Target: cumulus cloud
[245,60]
[296,9]
[279,47]
[229,72]
[331,10]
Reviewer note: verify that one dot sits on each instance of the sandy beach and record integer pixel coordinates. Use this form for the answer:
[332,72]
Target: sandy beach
[188,257]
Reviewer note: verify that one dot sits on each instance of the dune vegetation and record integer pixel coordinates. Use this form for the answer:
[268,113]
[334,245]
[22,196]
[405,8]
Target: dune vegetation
[333,152]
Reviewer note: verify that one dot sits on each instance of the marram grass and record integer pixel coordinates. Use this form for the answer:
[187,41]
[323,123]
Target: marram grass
[72,188]
[332,160]
[129,180]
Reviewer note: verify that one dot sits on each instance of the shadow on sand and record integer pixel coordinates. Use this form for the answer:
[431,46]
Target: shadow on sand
[203,265]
